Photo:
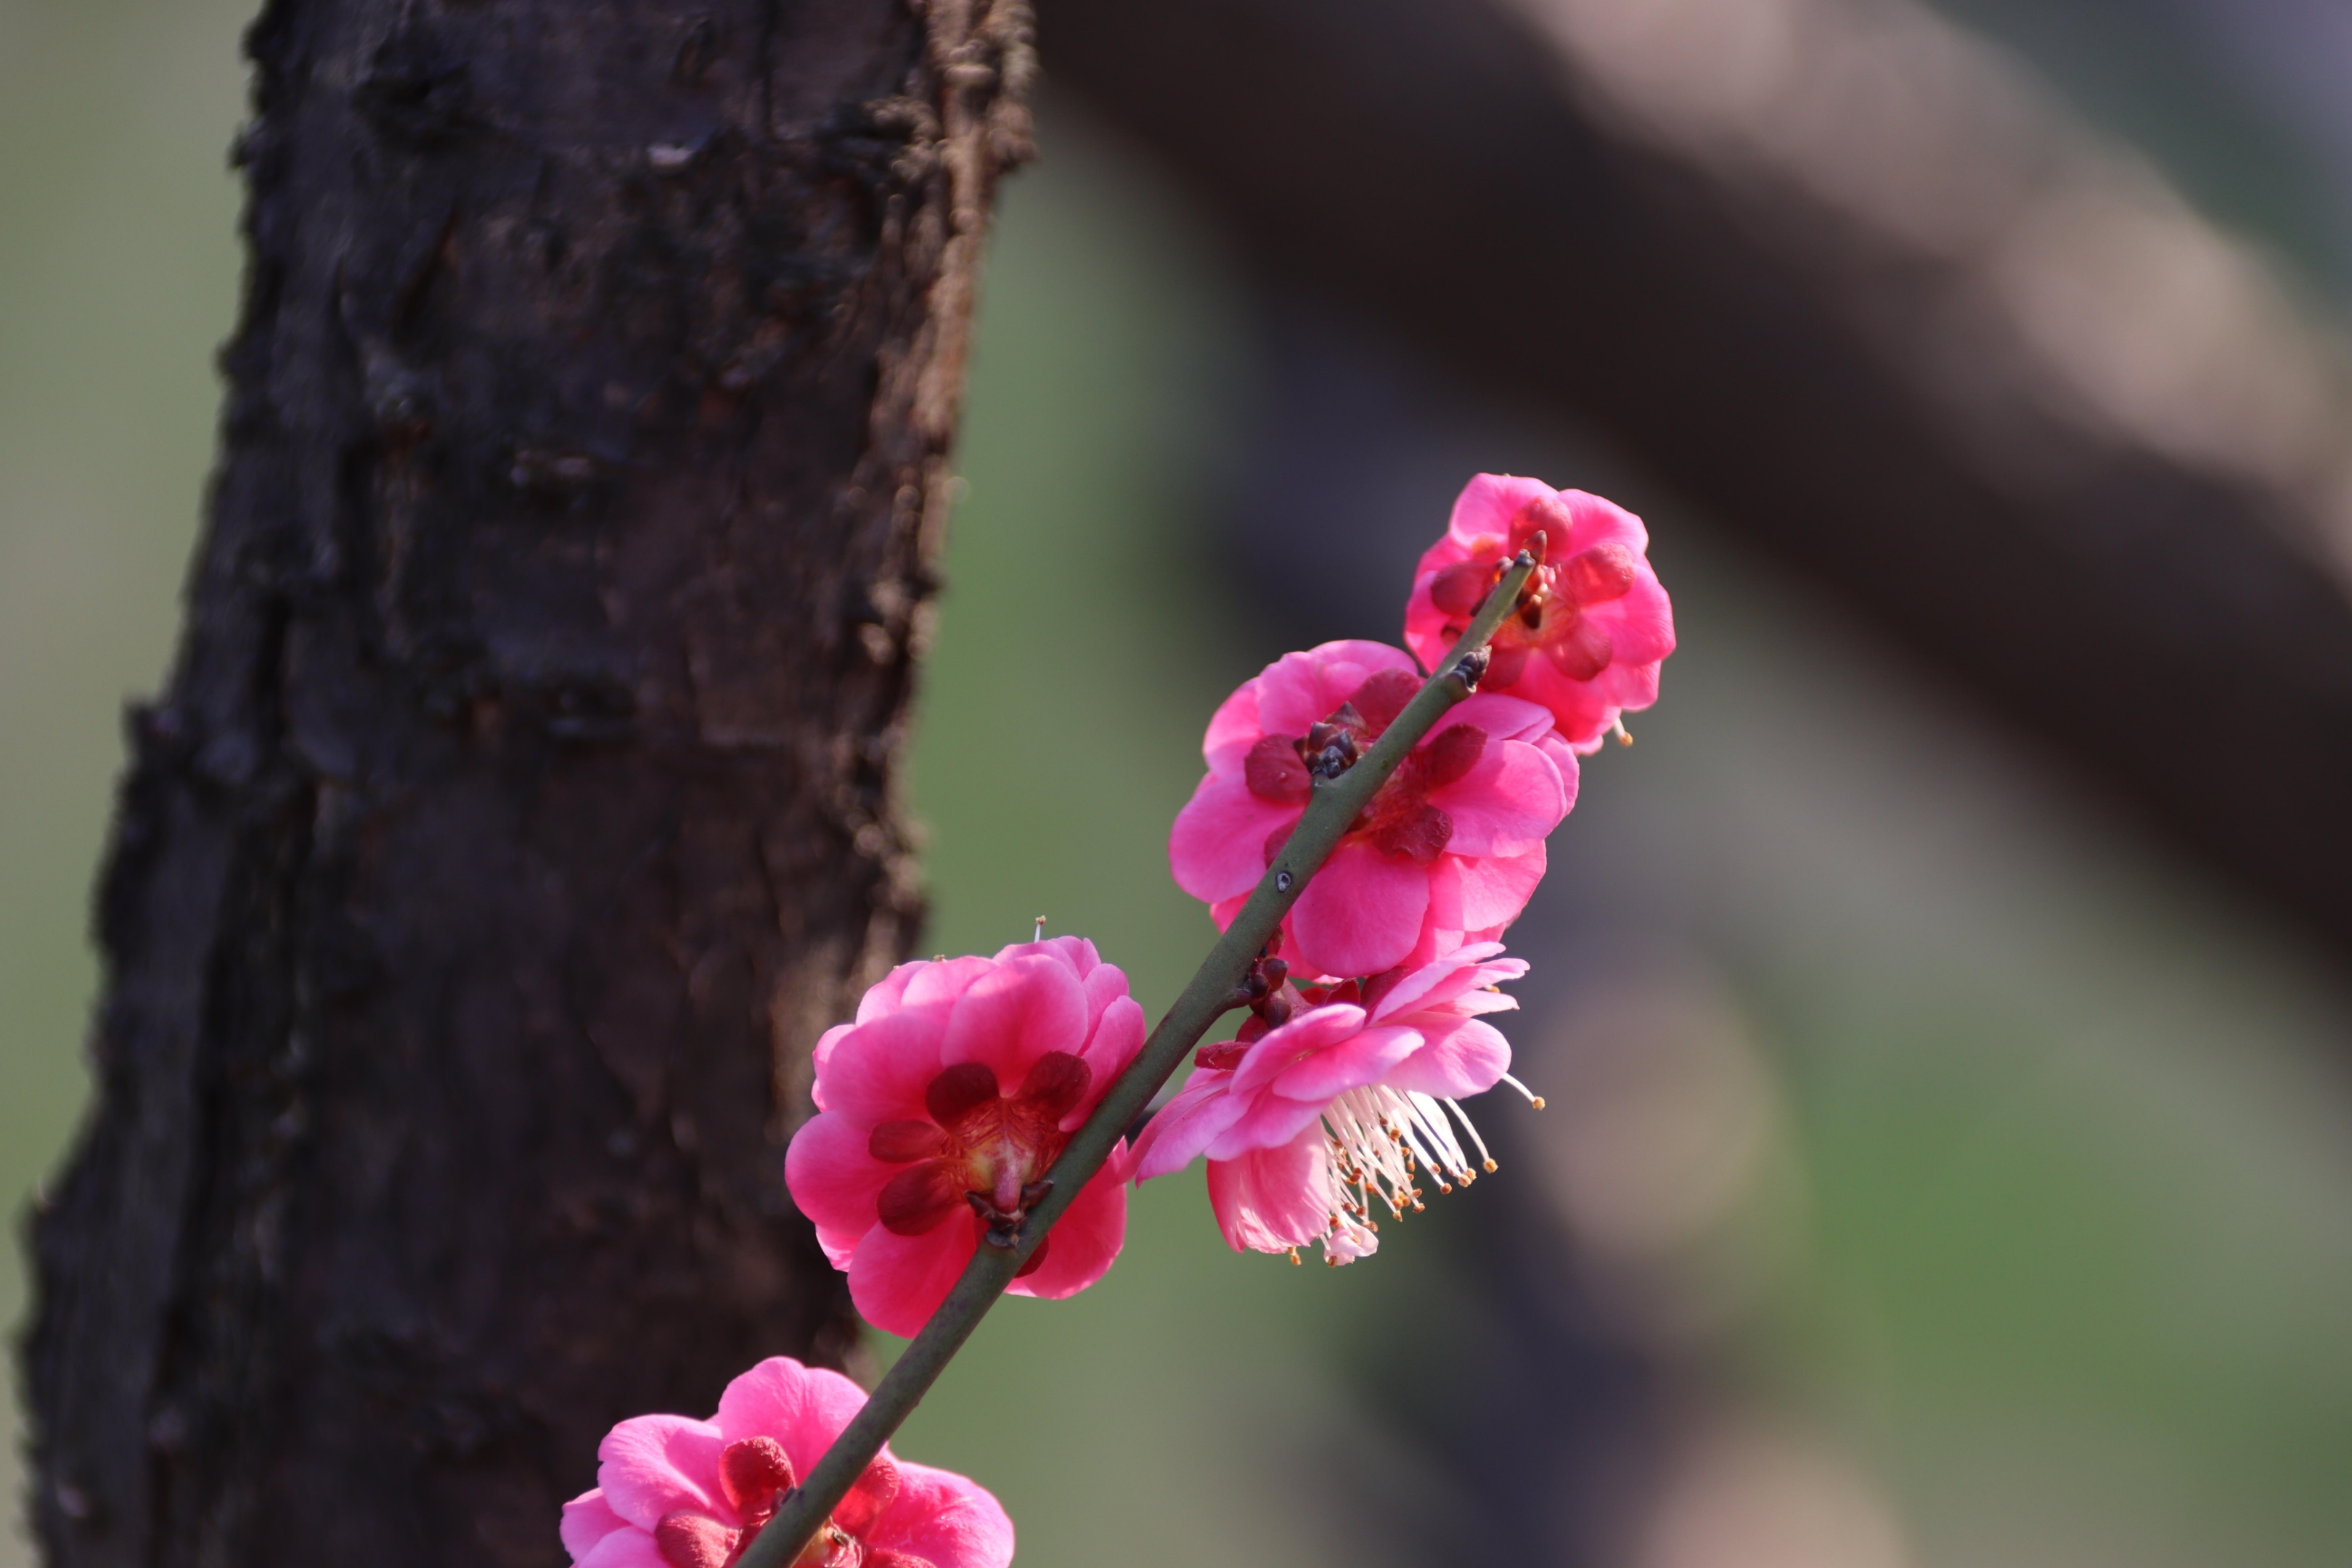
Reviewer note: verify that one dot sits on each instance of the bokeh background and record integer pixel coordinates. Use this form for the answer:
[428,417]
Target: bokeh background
[1937,1173]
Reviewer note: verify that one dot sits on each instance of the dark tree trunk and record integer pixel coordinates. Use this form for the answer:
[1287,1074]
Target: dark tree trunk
[521,805]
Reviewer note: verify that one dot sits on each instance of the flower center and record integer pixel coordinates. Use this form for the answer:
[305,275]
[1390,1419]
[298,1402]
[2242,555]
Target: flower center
[1400,819]
[753,1476]
[1549,617]
[982,1149]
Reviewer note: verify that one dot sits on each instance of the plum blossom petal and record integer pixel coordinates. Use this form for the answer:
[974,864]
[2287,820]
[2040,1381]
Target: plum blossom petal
[1368,1057]
[898,1282]
[1266,1120]
[1599,521]
[823,1051]
[942,1115]
[694,1493]
[1103,982]
[1430,983]
[1640,629]
[1217,847]
[1341,1107]
[1184,1127]
[1483,511]
[1083,1244]
[652,1465]
[886,994]
[1015,1015]
[1315,1031]
[1075,953]
[1506,805]
[803,1408]
[1483,895]
[1491,780]
[1106,987]
[1271,1200]
[1118,1034]
[878,1070]
[940,980]
[912,985]
[587,1520]
[1362,912]
[630,1548]
[941,1518]
[1593,623]
[1300,689]
[832,1176]
[1469,1058]
[1506,718]
[1582,709]
[1235,721]
[1495,890]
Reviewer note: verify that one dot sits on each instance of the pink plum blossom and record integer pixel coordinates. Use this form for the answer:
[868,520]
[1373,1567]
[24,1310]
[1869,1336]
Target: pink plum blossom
[1311,1122]
[942,1105]
[675,1492]
[1448,851]
[1594,623]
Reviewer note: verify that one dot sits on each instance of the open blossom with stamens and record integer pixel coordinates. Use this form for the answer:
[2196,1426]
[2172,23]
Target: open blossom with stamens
[675,1492]
[1343,1108]
[1593,625]
[1448,851]
[942,1109]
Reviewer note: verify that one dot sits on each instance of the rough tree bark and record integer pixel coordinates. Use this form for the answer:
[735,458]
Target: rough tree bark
[521,804]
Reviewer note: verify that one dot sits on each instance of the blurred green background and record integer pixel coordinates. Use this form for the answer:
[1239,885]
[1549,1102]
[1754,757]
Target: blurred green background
[1981,1182]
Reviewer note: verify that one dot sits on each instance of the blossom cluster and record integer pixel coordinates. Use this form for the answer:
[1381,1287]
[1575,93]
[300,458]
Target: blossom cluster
[943,1105]
[1342,1092]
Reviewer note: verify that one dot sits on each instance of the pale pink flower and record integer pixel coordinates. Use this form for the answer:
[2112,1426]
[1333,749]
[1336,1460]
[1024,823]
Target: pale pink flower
[943,1107]
[1594,625]
[1448,851]
[1312,1123]
[675,1492]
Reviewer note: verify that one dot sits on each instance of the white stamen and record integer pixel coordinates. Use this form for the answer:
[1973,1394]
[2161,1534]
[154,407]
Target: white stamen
[1533,1098]
[1485,1160]
[1376,1140]
[1440,1134]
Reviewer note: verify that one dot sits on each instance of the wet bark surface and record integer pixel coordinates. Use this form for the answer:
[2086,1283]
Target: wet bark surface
[521,806]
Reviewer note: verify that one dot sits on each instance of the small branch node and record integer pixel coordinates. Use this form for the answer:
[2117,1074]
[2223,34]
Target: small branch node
[1469,670]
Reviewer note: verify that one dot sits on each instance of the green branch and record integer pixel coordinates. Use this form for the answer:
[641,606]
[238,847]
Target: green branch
[1333,810]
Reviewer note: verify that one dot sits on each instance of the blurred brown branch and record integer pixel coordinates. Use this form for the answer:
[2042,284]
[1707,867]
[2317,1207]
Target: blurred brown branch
[1846,280]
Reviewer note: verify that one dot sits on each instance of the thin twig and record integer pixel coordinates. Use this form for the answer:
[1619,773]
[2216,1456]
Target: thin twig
[1333,810]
